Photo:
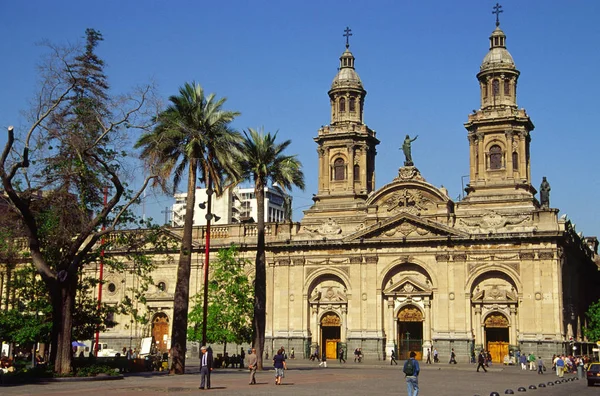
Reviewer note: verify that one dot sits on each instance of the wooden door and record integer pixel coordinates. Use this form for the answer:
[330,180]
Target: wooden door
[498,350]
[331,349]
[160,331]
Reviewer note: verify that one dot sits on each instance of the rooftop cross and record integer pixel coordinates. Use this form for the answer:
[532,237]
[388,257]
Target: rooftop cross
[347,34]
[497,11]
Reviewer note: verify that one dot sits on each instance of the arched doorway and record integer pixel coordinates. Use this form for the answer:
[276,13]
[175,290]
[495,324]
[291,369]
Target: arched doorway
[497,336]
[330,334]
[410,331]
[160,331]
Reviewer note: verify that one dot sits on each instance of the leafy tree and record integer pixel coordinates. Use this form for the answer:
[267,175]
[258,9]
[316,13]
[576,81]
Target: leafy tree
[192,135]
[262,162]
[230,303]
[592,330]
[54,173]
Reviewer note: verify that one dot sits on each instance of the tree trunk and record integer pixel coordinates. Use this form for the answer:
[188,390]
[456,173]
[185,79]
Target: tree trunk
[260,283]
[63,301]
[182,287]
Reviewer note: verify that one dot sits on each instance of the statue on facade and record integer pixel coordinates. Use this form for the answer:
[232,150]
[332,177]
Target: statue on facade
[406,148]
[545,193]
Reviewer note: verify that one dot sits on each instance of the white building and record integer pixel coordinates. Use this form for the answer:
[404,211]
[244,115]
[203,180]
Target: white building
[236,205]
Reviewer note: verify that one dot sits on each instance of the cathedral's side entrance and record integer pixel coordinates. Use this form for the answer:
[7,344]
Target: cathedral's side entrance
[409,332]
[497,336]
[160,331]
[330,334]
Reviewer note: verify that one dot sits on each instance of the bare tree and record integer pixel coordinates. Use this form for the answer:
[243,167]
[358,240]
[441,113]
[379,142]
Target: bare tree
[54,173]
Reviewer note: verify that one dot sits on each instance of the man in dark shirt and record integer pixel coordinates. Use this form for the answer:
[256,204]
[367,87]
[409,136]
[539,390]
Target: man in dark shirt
[481,361]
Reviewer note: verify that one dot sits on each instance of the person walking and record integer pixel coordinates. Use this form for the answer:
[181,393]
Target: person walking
[341,355]
[481,361]
[323,362]
[540,364]
[206,366]
[560,366]
[280,366]
[523,361]
[452,357]
[252,362]
[531,360]
[428,356]
[411,370]
[393,358]
[436,358]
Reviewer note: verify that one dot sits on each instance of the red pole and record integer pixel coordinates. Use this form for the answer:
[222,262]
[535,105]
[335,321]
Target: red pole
[103,241]
[206,254]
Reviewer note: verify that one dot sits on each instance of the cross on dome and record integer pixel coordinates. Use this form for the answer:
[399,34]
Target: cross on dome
[347,34]
[497,10]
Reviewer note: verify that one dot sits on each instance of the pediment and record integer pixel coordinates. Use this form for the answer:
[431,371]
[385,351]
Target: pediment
[407,285]
[405,225]
[494,294]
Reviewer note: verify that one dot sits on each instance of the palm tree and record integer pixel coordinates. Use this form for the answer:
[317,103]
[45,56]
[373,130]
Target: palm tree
[263,161]
[191,135]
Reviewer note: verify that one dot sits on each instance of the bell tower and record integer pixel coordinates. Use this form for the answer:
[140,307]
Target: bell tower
[499,132]
[346,147]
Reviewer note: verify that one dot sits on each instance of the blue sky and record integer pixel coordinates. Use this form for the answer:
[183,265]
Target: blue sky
[275,61]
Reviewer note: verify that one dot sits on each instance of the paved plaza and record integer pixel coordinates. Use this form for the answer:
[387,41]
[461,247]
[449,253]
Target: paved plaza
[305,378]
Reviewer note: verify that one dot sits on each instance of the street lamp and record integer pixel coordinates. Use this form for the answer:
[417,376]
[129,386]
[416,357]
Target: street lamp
[209,216]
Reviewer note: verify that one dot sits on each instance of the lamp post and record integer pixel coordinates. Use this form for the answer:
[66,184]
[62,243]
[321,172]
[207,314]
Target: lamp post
[209,217]
[101,277]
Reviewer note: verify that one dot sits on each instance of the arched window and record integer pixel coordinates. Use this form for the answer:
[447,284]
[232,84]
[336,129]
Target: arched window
[506,88]
[495,87]
[515,159]
[495,157]
[352,104]
[339,169]
[356,173]
[342,105]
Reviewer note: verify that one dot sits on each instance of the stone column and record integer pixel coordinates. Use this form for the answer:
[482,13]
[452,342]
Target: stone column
[512,336]
[344,329]
[350,149]
[314,310]
[389,322]
[478,326]
[427,325]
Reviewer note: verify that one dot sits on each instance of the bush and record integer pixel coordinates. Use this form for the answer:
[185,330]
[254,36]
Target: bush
[95,369]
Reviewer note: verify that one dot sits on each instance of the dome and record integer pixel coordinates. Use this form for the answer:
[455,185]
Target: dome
[346,77]
[497,57]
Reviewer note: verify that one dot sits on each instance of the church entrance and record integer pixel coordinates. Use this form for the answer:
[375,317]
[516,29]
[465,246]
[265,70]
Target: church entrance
[409,332]
[496,336]
[330,335]
[160,331]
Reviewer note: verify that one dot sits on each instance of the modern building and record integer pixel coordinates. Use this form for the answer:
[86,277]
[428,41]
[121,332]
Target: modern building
[403,266]
[236,205]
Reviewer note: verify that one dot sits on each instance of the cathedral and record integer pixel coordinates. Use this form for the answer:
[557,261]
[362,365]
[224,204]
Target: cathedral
[404,267]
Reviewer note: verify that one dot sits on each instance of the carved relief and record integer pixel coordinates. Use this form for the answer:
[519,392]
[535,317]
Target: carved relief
[442,257]
[409,201]
[371,259]
[409,173]
[546,255]
[329,227]
[330,320]
[526,255]
[410,314]
[355,260]
[496,320]
[298,261]
[493,220]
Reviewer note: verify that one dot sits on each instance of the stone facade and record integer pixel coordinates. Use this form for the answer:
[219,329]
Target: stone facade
[404,266]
